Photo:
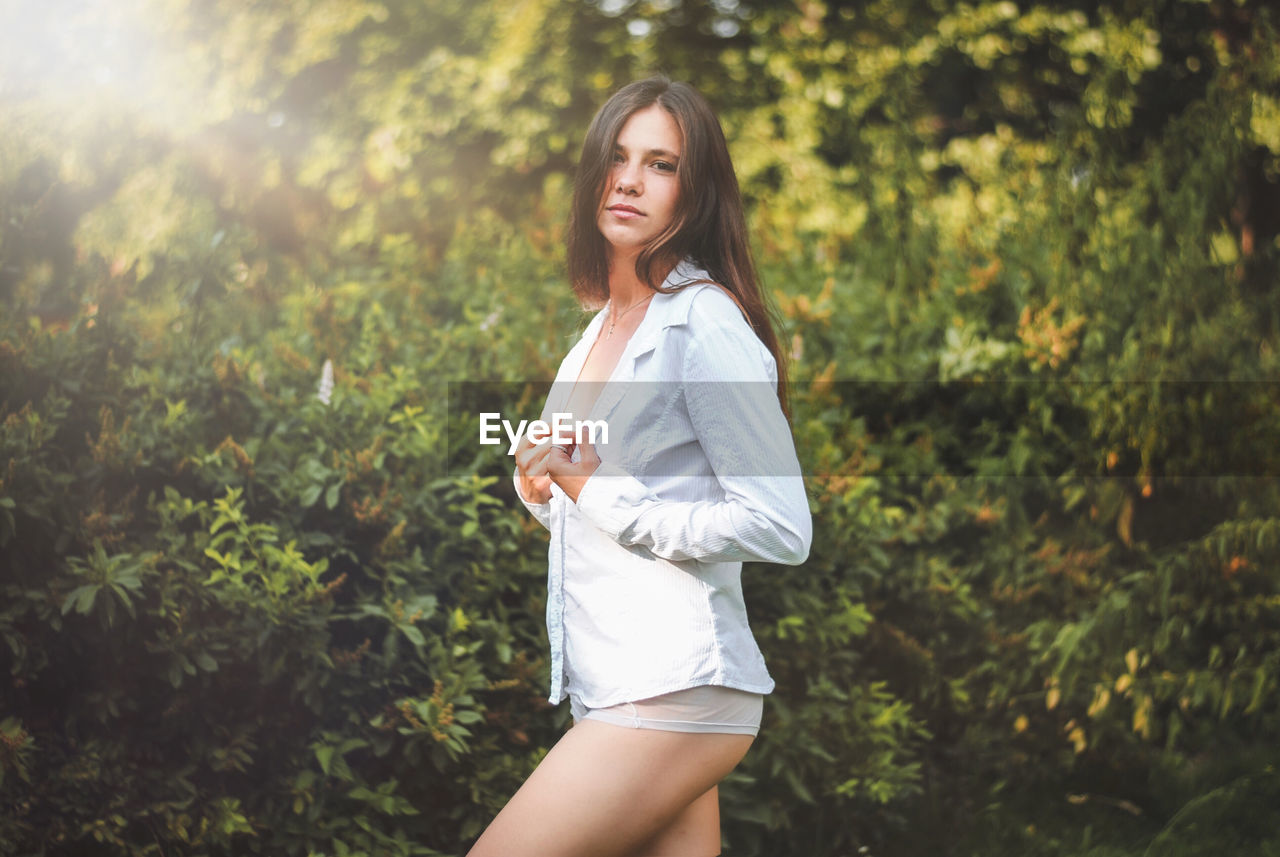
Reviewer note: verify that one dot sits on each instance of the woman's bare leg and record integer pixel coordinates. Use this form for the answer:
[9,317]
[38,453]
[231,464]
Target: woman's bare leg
[695,832]
[605,790]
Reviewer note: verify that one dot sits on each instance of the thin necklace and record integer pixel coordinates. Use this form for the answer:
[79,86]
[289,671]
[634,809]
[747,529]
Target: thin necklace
[614,316]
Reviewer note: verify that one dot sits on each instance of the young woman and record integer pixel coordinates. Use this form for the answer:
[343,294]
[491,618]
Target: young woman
[645,613]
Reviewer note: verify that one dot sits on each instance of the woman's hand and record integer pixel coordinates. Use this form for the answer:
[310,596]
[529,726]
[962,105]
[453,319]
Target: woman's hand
[531,463]
[571,476]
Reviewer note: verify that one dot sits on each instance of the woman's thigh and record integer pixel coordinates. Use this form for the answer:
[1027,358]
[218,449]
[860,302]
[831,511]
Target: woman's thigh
[695,832]
[607,790]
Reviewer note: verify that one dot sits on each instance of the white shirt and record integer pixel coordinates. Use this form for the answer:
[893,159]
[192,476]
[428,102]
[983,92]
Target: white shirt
[644,579]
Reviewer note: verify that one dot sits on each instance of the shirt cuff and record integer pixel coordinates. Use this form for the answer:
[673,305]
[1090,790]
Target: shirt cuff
[541,511]
[612,499]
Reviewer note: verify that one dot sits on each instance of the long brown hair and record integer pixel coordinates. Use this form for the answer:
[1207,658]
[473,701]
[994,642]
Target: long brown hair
[709,224]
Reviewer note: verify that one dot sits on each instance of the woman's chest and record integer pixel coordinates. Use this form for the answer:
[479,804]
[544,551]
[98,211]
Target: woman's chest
[633,400]
[600,364]
[602,359]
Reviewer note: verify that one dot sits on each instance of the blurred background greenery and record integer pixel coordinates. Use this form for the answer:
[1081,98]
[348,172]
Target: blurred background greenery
[1025,254]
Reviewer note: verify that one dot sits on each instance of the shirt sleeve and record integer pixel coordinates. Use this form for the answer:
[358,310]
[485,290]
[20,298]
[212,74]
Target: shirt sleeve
[541,511]
[764,513]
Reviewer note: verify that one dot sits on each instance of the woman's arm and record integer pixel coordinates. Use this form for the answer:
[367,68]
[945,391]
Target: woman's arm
[764,514]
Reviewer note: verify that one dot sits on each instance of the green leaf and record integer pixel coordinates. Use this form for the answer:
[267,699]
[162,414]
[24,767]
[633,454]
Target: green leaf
[352,744]
[324,755]
[414,635]
[78,593]
[331,496]
[87,595]
[310,496]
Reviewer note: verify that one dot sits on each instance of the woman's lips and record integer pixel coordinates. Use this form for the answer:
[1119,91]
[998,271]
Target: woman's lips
[624,212]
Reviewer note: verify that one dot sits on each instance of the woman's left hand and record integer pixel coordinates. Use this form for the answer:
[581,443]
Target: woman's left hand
[572,476]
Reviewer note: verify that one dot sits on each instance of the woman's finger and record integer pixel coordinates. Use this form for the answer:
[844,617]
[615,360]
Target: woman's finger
[571,476]
[557,460]
[587,453]
[531,457]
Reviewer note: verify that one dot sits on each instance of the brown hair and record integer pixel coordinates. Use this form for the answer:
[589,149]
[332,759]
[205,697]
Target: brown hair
[709,224]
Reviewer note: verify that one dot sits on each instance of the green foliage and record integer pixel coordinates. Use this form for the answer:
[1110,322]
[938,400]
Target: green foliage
[258,647]
[1024,257]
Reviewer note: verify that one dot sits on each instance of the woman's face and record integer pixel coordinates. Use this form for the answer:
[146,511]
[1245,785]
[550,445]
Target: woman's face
[642,189]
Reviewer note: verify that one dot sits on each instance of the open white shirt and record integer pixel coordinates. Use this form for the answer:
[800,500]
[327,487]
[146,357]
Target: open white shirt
[644,580]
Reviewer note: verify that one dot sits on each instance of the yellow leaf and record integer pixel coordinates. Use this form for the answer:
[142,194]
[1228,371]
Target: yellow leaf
[824,379]
[828,289]
[1020,725]
[1131,660]
[1051,698]
[1078,739]
[1101,696]
[1142,717]
[1123,683]
[1124,523]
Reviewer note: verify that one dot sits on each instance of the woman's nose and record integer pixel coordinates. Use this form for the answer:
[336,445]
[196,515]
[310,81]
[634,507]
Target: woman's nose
[628,179]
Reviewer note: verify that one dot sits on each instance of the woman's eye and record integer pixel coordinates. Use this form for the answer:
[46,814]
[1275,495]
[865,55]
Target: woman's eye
[665,167]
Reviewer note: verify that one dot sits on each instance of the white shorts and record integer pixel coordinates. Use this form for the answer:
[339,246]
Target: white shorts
[708,708]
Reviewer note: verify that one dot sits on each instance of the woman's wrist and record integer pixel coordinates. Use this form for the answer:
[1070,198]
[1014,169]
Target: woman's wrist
[531,491]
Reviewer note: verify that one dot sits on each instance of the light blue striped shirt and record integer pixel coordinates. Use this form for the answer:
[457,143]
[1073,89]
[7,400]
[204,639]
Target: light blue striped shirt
[700,473]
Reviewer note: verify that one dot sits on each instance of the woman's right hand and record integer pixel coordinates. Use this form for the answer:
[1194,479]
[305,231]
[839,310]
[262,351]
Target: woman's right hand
[531,463]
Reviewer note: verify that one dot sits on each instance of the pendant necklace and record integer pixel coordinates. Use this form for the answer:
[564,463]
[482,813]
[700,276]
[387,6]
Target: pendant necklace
[614,316]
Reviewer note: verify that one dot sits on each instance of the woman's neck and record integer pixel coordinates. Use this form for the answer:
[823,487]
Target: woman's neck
[625,288]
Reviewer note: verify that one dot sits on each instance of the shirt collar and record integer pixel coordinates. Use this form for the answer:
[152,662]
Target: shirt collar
[667,309]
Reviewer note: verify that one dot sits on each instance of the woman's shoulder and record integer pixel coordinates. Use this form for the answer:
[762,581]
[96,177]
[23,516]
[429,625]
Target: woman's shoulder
[717,330]
[703,302]
[715,305]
